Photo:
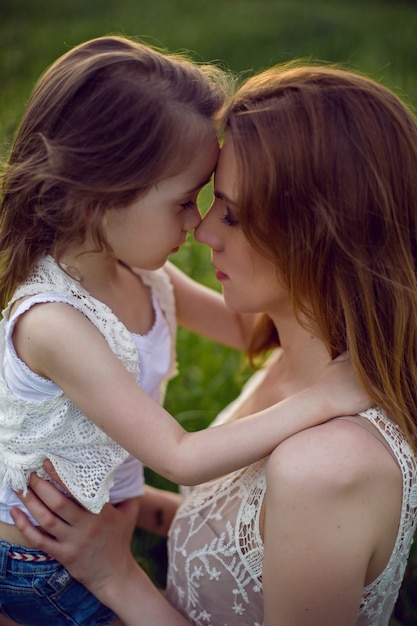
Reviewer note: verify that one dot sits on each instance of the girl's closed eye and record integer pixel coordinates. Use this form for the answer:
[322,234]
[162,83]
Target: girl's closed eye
[190,204]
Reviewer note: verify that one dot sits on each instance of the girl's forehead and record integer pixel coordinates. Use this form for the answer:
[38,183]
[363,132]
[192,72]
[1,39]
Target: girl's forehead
[204,152]
[195,170]
[199,131]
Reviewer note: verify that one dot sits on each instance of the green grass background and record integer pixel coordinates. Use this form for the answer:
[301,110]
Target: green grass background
[378,37]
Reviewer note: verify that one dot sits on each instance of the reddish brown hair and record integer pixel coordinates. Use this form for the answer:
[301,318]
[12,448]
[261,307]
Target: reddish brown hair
[327,163]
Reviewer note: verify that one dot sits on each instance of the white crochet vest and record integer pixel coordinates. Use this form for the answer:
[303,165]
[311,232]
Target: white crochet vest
[83,455]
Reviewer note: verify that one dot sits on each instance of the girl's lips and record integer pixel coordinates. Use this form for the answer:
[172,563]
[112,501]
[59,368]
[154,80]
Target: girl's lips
[174,250]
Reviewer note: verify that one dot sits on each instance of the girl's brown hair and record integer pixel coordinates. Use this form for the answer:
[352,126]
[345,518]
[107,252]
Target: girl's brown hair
[327,163]
[105,123]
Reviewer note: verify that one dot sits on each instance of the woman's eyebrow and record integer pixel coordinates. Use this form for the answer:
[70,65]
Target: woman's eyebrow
[222,196]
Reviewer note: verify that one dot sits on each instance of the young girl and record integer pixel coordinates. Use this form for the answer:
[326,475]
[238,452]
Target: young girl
[115,144]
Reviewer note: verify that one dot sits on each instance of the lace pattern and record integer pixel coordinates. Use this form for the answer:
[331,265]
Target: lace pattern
[379,597]
[216,550]
[83,455]
[215,574]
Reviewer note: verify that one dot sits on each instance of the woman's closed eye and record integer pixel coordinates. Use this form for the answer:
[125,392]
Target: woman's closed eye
[228,218]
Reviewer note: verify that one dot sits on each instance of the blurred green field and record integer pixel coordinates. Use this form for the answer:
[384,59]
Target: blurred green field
[375,37]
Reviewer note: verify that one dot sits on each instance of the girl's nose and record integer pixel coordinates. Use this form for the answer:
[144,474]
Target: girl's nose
[199,232]
[193,219]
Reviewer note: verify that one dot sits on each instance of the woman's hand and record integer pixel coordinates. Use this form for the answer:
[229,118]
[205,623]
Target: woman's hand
[157,510]
[85,543]
[96,550]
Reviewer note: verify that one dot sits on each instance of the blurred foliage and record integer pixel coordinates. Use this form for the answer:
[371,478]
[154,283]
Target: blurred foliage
[377,37]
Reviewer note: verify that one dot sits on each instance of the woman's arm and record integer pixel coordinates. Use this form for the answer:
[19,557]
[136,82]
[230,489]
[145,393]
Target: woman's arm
[96,550]
[204,311]
[157,510]
[61,344]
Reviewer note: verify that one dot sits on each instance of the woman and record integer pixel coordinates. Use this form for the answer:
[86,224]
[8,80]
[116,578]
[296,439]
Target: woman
[313,225]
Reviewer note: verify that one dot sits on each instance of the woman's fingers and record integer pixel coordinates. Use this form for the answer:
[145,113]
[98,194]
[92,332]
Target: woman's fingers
[54,512]
[344,356]
[71,534]
[51,499]
[33,535]
[50,470]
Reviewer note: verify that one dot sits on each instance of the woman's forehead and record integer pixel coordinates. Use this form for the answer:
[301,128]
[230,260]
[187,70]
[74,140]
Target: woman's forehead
[225,176]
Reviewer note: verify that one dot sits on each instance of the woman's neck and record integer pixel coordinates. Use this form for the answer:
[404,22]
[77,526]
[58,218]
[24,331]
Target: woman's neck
[303,356]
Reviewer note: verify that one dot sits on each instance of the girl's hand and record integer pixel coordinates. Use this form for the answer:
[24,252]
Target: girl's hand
[339,390]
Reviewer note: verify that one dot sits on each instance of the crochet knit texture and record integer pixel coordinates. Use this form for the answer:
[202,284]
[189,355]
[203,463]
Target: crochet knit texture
[84,457]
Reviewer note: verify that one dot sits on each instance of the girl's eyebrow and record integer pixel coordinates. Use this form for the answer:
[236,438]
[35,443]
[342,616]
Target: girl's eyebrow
[199,185]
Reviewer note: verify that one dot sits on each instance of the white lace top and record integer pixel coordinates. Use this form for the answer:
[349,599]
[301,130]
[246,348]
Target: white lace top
[84,456]
[216,549]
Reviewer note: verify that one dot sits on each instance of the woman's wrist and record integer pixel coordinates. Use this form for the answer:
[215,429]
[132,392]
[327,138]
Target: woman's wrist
[135,599]
[120,589]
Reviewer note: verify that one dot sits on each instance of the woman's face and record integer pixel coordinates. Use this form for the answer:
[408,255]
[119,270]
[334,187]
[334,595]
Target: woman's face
[250,282]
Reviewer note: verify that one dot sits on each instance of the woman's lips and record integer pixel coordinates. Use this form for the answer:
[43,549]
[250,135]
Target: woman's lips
[220,276]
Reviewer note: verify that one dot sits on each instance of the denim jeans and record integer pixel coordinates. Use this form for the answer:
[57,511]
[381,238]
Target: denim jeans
[44,593]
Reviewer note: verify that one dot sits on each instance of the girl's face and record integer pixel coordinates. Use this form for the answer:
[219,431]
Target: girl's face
[250,282]
[145,233]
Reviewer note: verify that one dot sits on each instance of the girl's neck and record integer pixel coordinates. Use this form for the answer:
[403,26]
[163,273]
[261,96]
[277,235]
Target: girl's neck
[91,268]
[116,285]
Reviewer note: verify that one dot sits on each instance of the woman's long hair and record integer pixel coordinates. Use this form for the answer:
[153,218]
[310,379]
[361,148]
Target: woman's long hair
[327,163]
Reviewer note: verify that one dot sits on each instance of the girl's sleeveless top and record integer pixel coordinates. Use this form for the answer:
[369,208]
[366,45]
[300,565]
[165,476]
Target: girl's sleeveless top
[215,546]
[84,456]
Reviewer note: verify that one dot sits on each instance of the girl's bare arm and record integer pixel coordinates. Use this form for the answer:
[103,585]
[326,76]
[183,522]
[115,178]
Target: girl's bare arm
[99,385]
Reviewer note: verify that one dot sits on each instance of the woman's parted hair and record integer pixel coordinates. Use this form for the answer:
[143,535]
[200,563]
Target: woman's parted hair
[327,163]
[107,121]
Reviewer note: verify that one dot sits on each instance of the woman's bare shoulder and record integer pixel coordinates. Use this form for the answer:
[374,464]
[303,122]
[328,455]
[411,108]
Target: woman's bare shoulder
[337,453]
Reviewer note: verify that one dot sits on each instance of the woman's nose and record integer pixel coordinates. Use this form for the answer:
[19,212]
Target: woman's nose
[205,232]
